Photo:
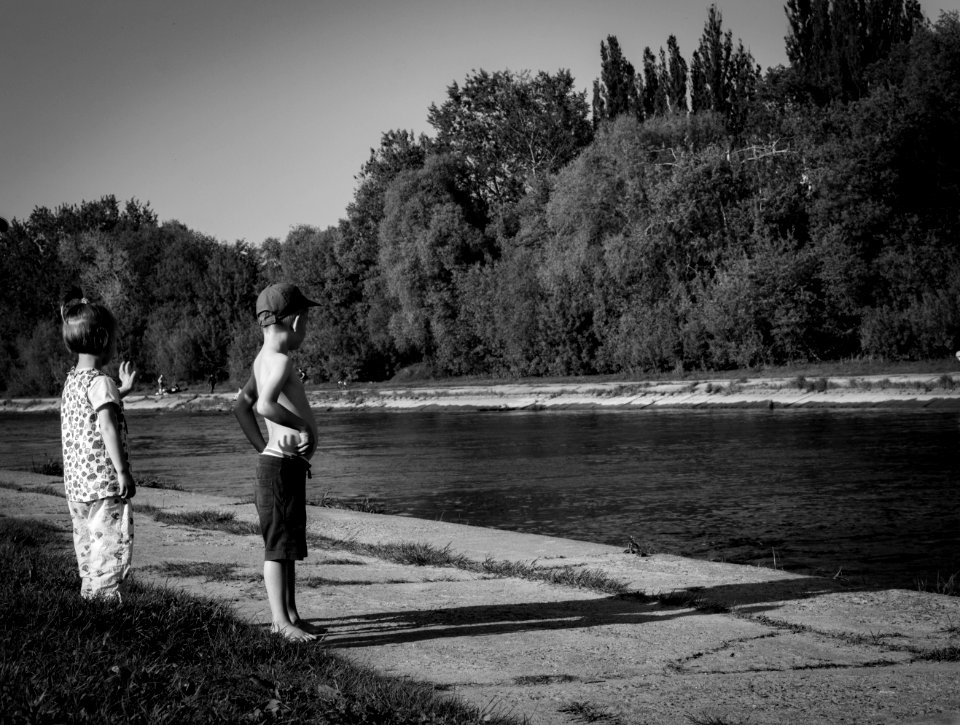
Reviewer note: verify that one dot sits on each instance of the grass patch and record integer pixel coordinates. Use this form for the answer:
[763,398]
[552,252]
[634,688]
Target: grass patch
[569,576]
[820,385]
[146,509]
[691,600]
[211,520]
[420,554]
[208,570]
[51,467]
[942,382]
[315,582]
[161,483]
[588,712]
[42,489]
[166,657]
[949,586]
[543,679]
[942,654]
[364,504]
[334,561]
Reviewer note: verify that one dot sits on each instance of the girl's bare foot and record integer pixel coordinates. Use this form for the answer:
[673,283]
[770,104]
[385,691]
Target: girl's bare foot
[292,632]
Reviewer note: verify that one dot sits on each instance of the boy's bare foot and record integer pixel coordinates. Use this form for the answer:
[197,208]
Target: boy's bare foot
[292,632]
[309,627]
[315,629]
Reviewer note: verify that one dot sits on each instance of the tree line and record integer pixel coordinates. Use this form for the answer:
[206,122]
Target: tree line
[689,215]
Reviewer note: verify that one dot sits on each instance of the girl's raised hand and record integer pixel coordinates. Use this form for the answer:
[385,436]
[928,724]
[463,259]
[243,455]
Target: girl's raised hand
[128,377]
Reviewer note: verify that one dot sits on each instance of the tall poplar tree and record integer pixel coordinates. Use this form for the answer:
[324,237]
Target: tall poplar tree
[616,92]
[724,78]
[674,77]
[654,93]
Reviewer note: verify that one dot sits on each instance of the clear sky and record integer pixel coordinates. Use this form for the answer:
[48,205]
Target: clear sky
[244,118]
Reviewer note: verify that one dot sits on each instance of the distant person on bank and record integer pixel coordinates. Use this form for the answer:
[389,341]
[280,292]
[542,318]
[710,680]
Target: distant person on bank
[96,467]
[283,466]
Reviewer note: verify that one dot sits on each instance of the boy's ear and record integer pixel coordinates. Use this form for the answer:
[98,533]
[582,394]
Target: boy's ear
[298,318]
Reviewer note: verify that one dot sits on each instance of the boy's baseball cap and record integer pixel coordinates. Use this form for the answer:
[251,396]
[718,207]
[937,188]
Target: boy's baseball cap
[279,300]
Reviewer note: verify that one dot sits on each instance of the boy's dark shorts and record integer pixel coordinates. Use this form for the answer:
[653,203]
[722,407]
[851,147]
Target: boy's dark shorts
[280,496]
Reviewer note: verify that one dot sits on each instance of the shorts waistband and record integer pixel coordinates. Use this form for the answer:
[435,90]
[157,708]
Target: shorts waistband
[277,461]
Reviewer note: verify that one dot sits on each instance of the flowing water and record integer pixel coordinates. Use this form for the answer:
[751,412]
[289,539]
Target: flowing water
[872,495]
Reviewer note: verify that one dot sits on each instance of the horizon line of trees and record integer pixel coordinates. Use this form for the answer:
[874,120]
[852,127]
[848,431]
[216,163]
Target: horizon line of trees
[692,214]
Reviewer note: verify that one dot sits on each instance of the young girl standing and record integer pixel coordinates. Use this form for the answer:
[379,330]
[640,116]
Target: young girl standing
[96,471]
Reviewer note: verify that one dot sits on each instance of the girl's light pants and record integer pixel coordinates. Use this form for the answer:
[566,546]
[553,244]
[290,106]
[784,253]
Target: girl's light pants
[103,539]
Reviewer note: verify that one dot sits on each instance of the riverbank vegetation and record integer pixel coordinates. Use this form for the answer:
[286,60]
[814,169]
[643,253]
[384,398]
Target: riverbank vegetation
[692,213]
[165,657]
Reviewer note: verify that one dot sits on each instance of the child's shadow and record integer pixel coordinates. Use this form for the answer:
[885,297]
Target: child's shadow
[397,627]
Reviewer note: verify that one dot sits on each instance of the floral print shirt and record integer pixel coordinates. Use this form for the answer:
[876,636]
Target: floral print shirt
[88,472]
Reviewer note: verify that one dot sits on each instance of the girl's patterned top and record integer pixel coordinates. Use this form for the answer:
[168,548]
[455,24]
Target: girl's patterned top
[88,472]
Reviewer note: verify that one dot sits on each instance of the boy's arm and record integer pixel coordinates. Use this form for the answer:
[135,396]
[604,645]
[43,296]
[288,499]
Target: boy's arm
[274,375]
[110,430]
[243,410]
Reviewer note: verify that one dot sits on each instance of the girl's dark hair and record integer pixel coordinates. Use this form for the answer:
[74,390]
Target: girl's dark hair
[88,327]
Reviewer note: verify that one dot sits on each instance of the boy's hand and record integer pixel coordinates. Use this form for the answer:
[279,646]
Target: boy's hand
[306,443]
[128,376]
[128,487]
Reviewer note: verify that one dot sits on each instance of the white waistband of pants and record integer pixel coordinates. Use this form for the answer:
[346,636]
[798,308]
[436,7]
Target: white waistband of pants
[277,453]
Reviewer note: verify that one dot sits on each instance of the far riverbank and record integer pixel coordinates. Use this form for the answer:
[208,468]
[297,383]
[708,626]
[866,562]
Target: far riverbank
[909,389]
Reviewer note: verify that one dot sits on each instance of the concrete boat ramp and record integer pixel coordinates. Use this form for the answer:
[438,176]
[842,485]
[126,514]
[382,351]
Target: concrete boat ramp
[686,641]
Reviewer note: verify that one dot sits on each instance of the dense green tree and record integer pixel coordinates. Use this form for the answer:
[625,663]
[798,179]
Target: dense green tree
[366,350]
[226,303]
[927,105]
[511,129]
[32,283]
[832,44]
[92,236]
[399,151]
[426,240]
[174,336]
[313,259]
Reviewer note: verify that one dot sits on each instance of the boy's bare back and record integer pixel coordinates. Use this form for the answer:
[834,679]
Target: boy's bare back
[277,385]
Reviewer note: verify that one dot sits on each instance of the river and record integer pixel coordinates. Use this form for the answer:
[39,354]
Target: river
[865,494]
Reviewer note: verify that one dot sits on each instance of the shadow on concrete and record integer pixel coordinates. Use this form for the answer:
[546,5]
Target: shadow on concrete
[398,627]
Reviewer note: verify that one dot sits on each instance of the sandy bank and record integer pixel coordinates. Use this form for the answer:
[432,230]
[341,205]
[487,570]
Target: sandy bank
[926,390]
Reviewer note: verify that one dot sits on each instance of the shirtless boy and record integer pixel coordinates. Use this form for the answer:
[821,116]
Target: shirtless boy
[275,392]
